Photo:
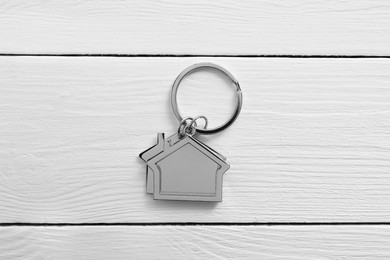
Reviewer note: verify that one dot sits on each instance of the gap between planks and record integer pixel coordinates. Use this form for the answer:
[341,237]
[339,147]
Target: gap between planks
[142,55]
[197,224]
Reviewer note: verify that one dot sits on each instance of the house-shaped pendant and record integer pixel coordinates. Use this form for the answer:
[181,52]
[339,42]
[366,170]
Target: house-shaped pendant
[184,168]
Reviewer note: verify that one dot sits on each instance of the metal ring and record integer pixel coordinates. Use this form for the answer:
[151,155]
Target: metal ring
[192,69]
[190,131]
[183,126]
[194,124]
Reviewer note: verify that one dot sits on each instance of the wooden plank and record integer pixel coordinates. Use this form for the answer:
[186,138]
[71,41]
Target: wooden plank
[199,242]
[311,144]
[256,27]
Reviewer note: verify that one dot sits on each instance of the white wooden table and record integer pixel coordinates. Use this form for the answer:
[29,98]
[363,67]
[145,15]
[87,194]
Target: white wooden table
[84,87]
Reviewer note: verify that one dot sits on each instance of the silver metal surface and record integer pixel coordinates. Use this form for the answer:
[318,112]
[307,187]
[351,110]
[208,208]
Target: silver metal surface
[181,167]
[188,125]
[184,168]
[192,69]
[183,128]
[194,124]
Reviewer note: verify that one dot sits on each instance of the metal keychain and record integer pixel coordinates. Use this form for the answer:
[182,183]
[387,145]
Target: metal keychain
[181,167]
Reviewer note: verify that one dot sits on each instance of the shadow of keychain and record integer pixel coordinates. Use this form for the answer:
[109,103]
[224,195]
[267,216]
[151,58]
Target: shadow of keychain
[181,167]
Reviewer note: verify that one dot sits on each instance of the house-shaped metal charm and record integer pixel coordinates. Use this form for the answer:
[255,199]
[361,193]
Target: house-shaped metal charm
[184,168]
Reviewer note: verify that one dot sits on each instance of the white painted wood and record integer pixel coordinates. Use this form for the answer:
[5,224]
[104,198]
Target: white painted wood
[312,142]
[199,242]
[196,27]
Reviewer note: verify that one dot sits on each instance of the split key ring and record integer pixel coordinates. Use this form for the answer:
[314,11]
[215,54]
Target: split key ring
[196,67]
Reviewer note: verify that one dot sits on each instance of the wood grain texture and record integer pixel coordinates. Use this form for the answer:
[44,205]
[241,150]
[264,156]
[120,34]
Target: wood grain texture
[167,242]
[261,27]
[312,142]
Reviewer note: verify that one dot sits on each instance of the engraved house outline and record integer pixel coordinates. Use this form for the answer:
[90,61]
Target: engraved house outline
[184,169]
